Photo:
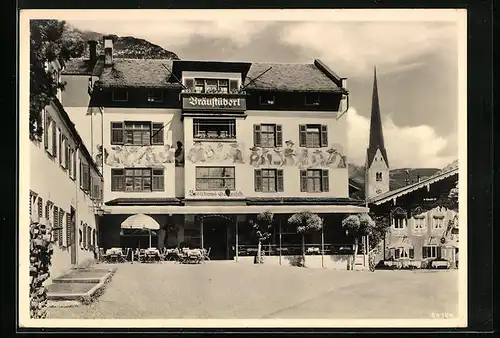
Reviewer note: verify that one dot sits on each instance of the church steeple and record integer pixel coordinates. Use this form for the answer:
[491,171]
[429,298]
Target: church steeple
[376,132]
[377,178]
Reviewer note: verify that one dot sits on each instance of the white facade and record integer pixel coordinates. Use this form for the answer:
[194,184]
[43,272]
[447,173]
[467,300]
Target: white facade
[59,170]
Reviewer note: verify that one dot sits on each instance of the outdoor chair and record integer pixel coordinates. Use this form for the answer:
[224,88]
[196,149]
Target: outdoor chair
[122,256]
[206,254]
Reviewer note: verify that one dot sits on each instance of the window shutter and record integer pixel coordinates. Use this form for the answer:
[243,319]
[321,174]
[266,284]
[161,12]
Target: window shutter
[84,235]
[279,135]
[258,180]
[302,135]
[324,135]
[81,175]
[89,239]
[233,85]
[411,253]
[324,180]
[61,226]
[54,139]
[60,140]
[189,83]
[67,154]
[438,252]
[46,125]
[117,133]
[87,173]
[68,229]
[396,253]
[303,180]
[40,207]
[158,180]
[55,224]
[424,252]
[280,181]
[157,133]
[256,135]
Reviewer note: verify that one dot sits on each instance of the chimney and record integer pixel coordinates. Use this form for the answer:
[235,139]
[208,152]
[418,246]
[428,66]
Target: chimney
[92,50]
[108,50]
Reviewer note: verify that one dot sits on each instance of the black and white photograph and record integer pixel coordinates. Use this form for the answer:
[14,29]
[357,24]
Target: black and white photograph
[239,168]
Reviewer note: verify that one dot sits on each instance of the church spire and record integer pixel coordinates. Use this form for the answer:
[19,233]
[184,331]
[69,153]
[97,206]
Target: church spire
[376,132]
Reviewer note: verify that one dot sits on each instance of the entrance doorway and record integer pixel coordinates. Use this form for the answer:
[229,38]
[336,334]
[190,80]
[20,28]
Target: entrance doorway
[215,236]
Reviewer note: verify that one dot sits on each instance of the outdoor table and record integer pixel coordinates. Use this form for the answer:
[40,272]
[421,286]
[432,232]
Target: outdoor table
[436,264]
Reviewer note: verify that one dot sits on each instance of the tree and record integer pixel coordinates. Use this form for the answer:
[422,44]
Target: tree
[305,222]
[262,230]
[50,41]
[358,225]
[453,196]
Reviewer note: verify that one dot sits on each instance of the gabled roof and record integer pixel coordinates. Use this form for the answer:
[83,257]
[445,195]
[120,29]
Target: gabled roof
[376,131]
[83,66]
[156,73]
[448,171]
[137,73]
[290,77]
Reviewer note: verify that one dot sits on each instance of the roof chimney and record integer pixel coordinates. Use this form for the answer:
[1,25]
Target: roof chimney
[92,50]
[108,50]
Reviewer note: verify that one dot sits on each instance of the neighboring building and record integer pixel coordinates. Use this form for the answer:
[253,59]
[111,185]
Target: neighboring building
[65,187]
[424,221]
[201,146]
[423,217]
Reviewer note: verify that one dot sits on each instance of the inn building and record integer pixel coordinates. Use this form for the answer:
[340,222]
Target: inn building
[192,150]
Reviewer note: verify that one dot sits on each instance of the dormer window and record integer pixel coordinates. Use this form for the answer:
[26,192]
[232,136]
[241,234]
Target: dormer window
[120,95]
[155,96]
[266,99]
[312,100]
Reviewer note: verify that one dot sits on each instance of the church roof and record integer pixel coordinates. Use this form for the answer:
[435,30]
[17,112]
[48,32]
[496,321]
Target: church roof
[376,132]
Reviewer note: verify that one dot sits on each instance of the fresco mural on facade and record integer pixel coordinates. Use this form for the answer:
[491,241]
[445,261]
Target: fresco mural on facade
[211,152]
[302,157]
[143,156]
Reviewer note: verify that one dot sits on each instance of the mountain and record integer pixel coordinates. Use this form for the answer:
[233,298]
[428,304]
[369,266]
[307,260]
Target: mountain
[124,46]
[397,177]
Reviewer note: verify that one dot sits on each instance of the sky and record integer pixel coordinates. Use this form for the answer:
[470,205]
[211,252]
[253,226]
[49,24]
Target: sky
[417,71]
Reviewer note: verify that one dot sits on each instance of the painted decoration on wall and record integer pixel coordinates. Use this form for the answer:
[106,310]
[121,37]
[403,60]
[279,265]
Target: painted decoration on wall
[99,157]
[142,156]
[221,152]
[290,155]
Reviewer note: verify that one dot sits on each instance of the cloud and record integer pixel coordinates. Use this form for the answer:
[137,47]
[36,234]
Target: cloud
[417,146]
[355,47]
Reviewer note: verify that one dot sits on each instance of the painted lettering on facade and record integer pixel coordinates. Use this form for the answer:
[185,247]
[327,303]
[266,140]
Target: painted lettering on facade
[194,193]
[204,102]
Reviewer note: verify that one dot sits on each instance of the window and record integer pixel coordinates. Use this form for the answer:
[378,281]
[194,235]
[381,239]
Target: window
[268,135]
[137,180]
[50,135]
[431,252]
[60,145]
[313,136]
[403,253]
[438,223]
[214,129]
[399,222]
[312,100]
[120,95]
[267,99]
[137,133]
[71,158]
[314,180]
[210,85]
[155,96]
[63,152]
[215,178]
[268,180]
[378,177]
[419,222]
[84,233]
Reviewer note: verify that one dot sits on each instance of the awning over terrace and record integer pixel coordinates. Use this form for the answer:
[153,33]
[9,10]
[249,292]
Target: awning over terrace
[234,209]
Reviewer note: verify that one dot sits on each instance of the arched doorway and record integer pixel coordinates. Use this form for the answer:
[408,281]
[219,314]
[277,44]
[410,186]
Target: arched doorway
[139,231]
[217,231]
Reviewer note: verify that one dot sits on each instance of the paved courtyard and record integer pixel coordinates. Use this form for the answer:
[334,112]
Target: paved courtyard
[220,290]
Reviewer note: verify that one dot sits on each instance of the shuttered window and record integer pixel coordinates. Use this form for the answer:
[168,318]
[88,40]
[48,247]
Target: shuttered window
[157,132]
[54,139]
[40,207]
[137,133]
[313,136]
[411,252]
[137,179]
[158,180]
[55,224]
[60,143]
[84,176]
[268,135]
[117,180]
[61,227]
[268,180]
[314,180]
